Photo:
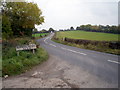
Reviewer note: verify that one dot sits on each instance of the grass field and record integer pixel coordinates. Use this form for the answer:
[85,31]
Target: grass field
[39,34]
[93,36]
[88,35]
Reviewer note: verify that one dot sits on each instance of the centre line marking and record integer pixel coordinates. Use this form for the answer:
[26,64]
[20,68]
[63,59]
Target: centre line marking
[45,41]
[113,61]
[62,47]
[52,45]
[73,51]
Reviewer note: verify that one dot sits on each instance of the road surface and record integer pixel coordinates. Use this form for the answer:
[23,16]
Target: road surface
[69,67]
[103,65]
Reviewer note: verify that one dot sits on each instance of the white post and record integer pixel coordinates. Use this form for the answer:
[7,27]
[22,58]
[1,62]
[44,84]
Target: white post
[63,39]
[33,51]
[17,53]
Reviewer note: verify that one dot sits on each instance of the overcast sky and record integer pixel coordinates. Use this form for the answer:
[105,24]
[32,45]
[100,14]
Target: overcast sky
[62,14]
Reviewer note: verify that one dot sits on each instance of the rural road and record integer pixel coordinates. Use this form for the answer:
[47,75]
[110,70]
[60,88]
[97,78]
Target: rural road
[69,67]
[103,65]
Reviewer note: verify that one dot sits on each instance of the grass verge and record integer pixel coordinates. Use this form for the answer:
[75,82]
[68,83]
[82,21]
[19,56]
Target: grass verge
[13,64]
[39,35]
[90,47]
[0,59]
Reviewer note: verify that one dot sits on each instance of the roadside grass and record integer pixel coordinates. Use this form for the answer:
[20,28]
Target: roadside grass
[88,35]
[58,37]
[40,34]
[90,47]
[13,64]
[0,60]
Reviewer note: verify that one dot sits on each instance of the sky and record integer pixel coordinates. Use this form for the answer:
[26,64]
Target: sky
[62,14]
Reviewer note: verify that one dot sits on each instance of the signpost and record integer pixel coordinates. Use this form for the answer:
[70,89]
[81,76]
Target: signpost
[26,47]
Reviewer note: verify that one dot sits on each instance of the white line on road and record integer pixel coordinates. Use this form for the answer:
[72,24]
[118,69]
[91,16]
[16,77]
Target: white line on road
[113,61]
[52,45]
[62,47]
[73,51]
[45,41]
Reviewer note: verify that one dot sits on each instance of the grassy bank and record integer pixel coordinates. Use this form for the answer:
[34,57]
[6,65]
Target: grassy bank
[0,59]
[13,64]
[98,47]
[40,34]
[88,35]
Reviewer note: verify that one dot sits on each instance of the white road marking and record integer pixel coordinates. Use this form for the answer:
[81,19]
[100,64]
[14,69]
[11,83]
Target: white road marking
[73,51]
[61,47]
[45,41]
[113,61]
[52,45]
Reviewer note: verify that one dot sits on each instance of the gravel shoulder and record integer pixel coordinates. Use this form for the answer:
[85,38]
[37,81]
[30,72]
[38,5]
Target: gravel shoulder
[55,73]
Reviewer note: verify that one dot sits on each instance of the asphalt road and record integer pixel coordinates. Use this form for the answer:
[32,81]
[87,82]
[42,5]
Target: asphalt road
[103,65]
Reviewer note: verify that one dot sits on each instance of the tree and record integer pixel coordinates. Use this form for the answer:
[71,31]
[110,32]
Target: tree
[77,28]
[82,27]
[6,28]
[35,30]
[43,30]
[71,28]
[87,27]
[23,17]
[51,29]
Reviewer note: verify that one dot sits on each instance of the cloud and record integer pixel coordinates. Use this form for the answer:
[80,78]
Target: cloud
[62,14]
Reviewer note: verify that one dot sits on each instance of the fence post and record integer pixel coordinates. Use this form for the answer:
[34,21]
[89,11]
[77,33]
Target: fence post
[63,39]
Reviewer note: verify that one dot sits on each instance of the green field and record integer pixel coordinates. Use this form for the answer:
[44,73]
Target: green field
[39,34]
[88,35]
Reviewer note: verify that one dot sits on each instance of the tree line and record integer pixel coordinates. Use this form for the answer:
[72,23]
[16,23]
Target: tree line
[20,18]
[97,28]
[43,31]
